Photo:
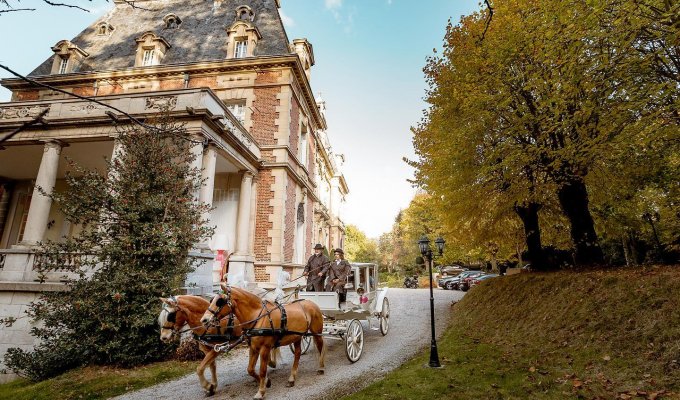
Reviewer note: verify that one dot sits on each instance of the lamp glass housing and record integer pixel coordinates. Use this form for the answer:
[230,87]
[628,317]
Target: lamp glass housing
[424,244]
[440,245]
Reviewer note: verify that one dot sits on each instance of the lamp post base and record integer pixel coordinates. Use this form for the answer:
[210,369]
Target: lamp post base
[434,356]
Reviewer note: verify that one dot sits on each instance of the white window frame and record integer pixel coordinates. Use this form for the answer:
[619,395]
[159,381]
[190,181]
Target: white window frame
[63,65]
[241,49]
[148,57]
[238,110]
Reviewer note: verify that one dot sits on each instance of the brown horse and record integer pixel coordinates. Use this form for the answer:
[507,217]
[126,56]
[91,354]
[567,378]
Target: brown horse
[260,319]
[179,311]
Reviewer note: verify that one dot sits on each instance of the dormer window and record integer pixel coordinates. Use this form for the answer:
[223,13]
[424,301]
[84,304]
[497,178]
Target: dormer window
[242,38]
[172,21]
[245,13]
[63,65]
[67,58]
[151,49]
[241,49]
[104,29]
[148,58]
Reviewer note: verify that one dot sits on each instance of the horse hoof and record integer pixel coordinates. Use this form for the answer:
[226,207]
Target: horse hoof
[269,383]
[320,372]
[291,384]
[210,391]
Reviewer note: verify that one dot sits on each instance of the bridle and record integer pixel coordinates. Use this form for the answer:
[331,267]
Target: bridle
[223,301]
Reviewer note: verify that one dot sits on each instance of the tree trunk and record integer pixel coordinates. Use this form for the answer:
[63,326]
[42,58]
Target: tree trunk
[626,256]
[573,198]
[529,215]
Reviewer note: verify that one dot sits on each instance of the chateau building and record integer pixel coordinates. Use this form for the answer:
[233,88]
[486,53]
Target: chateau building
[225,68]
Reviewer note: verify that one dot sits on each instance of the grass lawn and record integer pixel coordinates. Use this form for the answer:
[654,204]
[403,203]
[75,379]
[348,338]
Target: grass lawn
[95,382]
[611,334]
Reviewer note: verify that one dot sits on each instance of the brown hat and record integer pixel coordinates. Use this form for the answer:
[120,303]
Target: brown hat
[318,246]
[339,251]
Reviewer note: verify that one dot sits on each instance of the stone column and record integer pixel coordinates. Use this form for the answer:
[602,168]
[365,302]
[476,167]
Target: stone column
[242,263]
[39,211]
[243,218]
[205,195]
[197,163]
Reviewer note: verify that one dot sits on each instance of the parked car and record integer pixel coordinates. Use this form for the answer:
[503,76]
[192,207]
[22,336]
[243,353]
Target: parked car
[447,270]
[454,282]
[464,284]
[443,280]
[476,281]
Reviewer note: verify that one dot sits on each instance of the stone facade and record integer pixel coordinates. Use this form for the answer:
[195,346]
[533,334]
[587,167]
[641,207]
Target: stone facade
[234,79]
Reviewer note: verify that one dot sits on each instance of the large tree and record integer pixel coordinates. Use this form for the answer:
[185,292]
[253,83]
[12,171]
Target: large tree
[519,118]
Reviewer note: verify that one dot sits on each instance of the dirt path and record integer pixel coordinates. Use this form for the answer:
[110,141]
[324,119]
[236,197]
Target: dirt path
[409,333]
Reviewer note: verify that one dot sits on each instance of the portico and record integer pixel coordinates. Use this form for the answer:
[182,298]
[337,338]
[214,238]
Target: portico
[35,162]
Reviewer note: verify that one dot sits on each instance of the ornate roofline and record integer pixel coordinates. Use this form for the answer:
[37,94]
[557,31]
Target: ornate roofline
[233,64]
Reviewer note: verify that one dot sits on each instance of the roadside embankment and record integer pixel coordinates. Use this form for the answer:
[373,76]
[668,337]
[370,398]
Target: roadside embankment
[610,334]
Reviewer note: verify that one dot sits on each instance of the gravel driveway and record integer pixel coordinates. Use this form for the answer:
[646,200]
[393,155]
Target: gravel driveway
[409,334]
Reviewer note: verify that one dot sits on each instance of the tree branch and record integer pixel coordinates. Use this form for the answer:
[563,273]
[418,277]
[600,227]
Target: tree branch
[490,9]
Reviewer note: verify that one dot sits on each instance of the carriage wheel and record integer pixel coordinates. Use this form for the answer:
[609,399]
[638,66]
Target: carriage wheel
[306,342]
[385,317]
[354,340]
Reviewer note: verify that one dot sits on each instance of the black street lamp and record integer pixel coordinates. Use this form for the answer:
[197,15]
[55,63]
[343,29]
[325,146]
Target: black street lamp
[424,244]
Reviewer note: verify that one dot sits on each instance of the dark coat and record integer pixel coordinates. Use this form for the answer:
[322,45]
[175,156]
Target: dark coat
[338,271]
[315,264]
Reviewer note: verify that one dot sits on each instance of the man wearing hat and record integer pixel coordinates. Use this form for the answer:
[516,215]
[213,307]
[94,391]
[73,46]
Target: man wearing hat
[316,269]
[337,274]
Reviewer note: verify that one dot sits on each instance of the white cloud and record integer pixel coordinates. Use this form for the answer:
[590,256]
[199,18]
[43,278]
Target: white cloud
[287,21]
[389,2]
[333,4]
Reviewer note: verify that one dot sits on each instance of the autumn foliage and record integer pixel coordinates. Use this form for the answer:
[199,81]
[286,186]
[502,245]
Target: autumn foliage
[561,121]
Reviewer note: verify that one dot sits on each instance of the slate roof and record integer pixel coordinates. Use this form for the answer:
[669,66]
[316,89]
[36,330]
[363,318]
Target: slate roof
[200,37]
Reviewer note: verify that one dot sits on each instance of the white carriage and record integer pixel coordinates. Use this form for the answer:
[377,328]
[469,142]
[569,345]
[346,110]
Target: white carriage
[342,321]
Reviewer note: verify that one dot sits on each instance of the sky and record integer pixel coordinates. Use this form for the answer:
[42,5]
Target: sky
[369,57]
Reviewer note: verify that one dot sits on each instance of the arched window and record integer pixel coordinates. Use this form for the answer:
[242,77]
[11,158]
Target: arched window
[172,21]
[245,13]
[104,29]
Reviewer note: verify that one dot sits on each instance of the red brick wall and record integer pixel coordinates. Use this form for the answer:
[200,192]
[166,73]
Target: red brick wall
[268,76]
[261,274]
[205,81]
[170,84]
[27,95]
[264,115]
[294,134]
[290,221]
[84,91]
[262,223]
[106,90]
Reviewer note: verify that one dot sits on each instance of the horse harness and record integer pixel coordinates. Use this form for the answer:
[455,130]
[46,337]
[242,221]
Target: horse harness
[279,333]
[205,338]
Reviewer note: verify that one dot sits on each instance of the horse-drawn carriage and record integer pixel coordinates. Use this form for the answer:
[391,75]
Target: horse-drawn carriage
[342,321]
[239,316]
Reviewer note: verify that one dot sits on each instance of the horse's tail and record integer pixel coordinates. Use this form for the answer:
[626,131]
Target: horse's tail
[274,357]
